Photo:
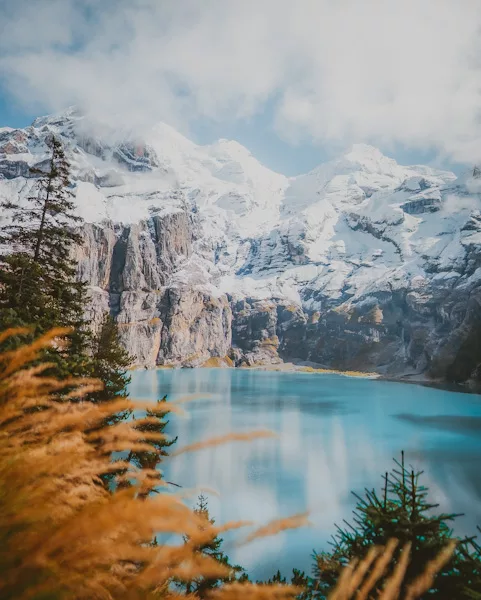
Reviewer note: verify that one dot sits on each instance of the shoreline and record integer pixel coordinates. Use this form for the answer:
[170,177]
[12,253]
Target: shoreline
[290,367]
[412,379]
[469,387]
[293,368]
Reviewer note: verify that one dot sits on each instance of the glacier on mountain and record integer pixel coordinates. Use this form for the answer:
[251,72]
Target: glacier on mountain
[205,256]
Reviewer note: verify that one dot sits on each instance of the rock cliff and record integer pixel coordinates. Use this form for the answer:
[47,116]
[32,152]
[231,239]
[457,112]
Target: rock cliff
[201,253]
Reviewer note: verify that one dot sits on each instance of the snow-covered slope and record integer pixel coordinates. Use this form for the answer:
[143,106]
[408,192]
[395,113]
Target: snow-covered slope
[203,252]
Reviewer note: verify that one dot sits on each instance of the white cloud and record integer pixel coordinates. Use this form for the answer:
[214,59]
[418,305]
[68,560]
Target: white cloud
[379,71]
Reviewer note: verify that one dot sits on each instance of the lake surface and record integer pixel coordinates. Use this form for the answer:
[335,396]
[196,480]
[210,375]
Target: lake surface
[336,434]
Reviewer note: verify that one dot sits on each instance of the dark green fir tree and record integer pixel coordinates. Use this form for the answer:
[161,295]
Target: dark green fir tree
[201,586]
[154,421]
[38,285]
[298,579]
[110,361]
[402,511]
[465,579]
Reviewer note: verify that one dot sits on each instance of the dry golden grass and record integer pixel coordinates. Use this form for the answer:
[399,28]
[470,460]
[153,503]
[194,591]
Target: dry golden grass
[223,439]
[358,581]
[64,536]
[277,526]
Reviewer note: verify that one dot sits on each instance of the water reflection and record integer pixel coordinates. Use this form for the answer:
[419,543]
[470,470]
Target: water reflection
[455,423]
[335,435]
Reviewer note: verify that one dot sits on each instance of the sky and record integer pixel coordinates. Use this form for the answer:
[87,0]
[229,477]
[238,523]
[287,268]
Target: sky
[295,82]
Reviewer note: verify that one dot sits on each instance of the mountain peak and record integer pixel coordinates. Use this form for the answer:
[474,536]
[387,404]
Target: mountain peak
[369,158]
[169,135]
[229,148]
[364,152]
[70,113]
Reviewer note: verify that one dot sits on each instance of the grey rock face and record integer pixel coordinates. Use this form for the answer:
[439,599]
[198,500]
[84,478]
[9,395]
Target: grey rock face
[136,157]
[195,328]
[431,327]
[13,168]
[94,255]
[434,330]
[202,253]
[129,270]
[422,205]
[254,332]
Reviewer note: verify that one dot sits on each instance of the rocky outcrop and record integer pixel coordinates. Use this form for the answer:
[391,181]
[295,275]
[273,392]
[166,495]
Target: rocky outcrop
[94,255]
[195,327]
[129,270]
[13,168]
[432,329]
[254,332]
[205,257]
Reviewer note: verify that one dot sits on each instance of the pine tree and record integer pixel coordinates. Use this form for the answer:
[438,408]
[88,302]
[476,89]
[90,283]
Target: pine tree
[298,579]
[150,460]
[466,580]
[22,301]
[110,361]
[202,586]
[402,512]
[38,285]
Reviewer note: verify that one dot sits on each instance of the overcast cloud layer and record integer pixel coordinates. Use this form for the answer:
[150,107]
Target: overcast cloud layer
[339,71]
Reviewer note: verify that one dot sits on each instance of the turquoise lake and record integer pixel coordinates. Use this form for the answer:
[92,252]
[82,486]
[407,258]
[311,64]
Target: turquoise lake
[336,434]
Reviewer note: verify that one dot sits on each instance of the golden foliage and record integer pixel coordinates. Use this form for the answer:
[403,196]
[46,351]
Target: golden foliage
[277,526]
[228,437]
[358,580]
[252,591]
[63,535]
[273,341]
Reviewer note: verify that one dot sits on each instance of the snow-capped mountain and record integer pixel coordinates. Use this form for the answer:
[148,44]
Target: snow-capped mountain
[203,253]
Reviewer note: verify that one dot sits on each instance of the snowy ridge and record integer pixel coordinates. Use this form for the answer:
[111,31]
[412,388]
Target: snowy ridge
[353,218]
[339,237]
